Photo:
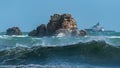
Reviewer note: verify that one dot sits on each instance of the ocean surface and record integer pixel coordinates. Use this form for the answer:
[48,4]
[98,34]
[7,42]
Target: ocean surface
[97,50]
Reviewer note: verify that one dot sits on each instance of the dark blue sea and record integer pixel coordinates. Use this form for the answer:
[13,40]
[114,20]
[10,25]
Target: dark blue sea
[97,50]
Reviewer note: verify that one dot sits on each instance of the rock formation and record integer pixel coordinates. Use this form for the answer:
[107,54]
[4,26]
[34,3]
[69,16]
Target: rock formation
[64,23]
[57,22]
[83,32]
[13,31]
[39,31]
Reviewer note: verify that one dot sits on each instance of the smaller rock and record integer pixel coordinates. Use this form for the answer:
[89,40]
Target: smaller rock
[13,31]
[83,33]
[40,31]
[33,33]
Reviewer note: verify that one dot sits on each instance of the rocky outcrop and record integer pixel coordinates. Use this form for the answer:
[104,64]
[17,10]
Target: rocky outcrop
[13,31]
[39,31]
[58,21]
[83,32]
[64,23]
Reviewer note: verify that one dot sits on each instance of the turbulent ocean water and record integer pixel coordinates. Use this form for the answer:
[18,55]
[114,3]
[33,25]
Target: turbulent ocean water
[97,50]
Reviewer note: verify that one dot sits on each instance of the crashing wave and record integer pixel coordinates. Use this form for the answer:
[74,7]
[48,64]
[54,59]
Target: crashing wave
[61,35]
[93,52]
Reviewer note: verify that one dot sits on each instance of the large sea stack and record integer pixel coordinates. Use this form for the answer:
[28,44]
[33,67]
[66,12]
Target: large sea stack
[61,23]
[58,24]
[13,31]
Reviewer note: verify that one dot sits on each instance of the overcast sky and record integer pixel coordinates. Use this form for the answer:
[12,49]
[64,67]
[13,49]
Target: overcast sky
[28,14]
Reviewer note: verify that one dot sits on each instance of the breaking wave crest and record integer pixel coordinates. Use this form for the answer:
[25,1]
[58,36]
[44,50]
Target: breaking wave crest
[92,52]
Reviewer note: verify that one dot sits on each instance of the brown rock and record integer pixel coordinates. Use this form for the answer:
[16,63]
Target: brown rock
[13,31]
[58,21]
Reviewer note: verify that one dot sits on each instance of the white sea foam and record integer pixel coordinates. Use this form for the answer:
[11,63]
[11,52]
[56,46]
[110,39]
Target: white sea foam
[8,37]
[5,37]
[102,37]
[61,35]
[20,45]
[19,35]
[113,36]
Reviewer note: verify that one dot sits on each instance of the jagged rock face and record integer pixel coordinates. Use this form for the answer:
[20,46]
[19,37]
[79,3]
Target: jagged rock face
[58,24]
[13,31]
[58,21]
[40,31]
[33,33]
